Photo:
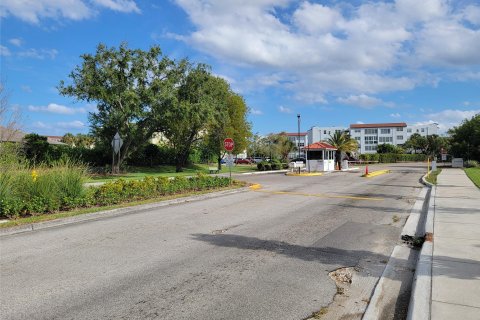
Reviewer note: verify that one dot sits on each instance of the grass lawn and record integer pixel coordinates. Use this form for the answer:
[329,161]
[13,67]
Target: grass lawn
[432,177]
[474,175]
[136,173]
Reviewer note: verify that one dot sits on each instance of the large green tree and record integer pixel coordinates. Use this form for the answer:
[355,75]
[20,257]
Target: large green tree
[465,139]
[197,96]
[124,83]
[229,121]
[344,143]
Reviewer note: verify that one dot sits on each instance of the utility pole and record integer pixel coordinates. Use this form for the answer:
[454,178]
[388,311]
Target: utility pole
[298,137]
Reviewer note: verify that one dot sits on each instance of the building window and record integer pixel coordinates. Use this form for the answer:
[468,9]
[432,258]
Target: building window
[399,129]
[358,130]
[417,130]
[409,130]
[370,148]
[324,131]
[301,144]
[370,140]
[384,131]
[399,137]
[385,139]
[423,130]
[357,138]
[371,131]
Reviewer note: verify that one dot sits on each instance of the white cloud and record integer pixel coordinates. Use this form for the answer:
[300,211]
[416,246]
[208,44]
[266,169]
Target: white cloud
[26,89]
[56,108]
[364,101]
[35,10]
[40,125]
[395,115]
[256,112]
[283,109]
[450,118]
[119,5]
[71,125]
[4,51]
[340,49]
[315,18]
[471,13]
[16,42]
[39,53]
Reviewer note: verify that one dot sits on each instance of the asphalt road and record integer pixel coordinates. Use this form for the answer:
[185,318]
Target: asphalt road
[263,254]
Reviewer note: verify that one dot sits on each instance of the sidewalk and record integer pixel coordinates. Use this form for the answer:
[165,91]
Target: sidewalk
[456,248]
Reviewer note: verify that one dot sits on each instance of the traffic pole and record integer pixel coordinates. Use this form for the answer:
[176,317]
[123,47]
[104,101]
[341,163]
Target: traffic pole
[366,169]
[428,166]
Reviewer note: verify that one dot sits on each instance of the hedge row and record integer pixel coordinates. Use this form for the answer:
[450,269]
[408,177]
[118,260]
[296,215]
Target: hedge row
[392,157]
[273,165]
[21,204]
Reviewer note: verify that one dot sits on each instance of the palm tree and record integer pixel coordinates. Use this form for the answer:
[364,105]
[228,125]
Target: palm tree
[344,143]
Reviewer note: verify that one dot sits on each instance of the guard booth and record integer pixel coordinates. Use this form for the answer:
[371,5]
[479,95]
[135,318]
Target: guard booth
[320,156]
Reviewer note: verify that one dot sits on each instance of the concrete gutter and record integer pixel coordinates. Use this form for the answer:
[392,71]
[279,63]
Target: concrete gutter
[113,213]
[419,223]
[420,300]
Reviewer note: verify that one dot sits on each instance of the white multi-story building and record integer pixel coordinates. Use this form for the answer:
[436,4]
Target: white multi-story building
[316,134]
[369,136]
[299,141]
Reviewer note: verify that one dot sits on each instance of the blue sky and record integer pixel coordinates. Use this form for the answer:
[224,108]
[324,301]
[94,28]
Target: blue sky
[334,62]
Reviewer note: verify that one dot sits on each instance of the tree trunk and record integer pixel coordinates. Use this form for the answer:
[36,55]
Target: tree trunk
[338,159]
[219,163]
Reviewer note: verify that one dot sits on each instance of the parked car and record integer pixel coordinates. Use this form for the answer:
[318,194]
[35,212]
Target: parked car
[298,159]
[242,161]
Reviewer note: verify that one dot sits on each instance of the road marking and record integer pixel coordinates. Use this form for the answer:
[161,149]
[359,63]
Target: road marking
[256,188]
[375,173]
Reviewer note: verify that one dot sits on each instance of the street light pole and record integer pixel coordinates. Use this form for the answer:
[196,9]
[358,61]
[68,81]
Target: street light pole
[298,137]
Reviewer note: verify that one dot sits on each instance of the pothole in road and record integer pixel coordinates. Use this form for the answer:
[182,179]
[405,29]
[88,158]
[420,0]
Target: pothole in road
[354,288]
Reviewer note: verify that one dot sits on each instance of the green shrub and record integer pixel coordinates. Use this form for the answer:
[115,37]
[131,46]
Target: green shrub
[392,157]
[261,165]
[61,188]
[472,164]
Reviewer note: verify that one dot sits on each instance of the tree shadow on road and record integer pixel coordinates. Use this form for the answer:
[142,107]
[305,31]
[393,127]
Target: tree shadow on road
[329,255]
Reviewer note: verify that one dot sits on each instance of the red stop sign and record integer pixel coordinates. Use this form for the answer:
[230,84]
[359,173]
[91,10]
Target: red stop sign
[228,144]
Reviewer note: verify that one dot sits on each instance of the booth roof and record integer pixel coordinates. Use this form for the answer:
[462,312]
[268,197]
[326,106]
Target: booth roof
[320,146]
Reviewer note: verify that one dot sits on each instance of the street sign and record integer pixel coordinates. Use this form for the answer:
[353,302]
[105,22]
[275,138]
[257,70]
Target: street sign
[228,144]
[229,160]
[117,143]
[444,157]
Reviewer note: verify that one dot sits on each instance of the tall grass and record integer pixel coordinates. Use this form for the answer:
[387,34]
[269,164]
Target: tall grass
[41,189]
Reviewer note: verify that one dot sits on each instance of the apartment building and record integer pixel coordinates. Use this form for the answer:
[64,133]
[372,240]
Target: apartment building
[316,134]
[299,141]
[370,135]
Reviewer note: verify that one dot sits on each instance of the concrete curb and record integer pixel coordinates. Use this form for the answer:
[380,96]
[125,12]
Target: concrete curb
[414,227]
[425,182]
[114,212]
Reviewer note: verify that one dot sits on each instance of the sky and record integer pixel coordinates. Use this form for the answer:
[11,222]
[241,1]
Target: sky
[333,62]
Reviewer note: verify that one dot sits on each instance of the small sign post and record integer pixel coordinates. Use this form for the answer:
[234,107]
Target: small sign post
[117,143]
[228,144]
